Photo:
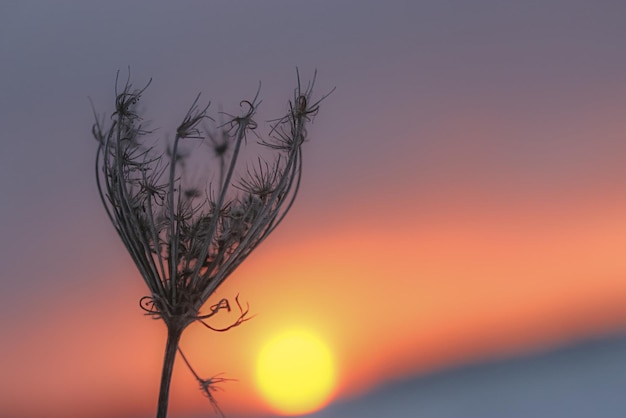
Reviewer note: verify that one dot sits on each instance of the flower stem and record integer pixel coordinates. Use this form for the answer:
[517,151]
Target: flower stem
[171,347]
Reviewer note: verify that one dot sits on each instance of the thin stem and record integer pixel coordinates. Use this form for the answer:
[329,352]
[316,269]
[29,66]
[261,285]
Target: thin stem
[241,132]
[189,365]
[173,260]
[171,347]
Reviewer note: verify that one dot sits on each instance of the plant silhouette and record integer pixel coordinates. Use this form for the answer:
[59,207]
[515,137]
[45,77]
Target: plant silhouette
[184,237]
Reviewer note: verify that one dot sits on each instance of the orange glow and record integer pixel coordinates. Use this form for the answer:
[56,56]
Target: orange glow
[419,291]
[416,294]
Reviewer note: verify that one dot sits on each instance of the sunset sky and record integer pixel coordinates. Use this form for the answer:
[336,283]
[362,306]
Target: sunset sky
[463,197]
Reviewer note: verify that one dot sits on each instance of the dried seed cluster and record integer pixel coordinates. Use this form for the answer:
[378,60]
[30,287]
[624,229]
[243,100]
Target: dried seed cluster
[186,239]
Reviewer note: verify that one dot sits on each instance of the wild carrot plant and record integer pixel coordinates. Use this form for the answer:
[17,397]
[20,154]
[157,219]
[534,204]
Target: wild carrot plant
[186,238]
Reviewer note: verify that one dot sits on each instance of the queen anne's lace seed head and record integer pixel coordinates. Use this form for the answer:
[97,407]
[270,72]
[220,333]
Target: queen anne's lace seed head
[186,238]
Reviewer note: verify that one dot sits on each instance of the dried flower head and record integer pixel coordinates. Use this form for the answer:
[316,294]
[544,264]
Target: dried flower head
[186,238]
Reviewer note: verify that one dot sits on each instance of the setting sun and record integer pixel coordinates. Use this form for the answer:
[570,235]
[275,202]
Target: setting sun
[295,373]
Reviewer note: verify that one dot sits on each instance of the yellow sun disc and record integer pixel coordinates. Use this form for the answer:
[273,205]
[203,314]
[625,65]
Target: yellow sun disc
[295,373]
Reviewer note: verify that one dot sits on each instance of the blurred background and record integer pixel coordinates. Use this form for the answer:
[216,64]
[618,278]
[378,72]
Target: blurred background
[457,245]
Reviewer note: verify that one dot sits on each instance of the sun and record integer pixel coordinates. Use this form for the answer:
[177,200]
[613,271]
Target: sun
[295,373]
